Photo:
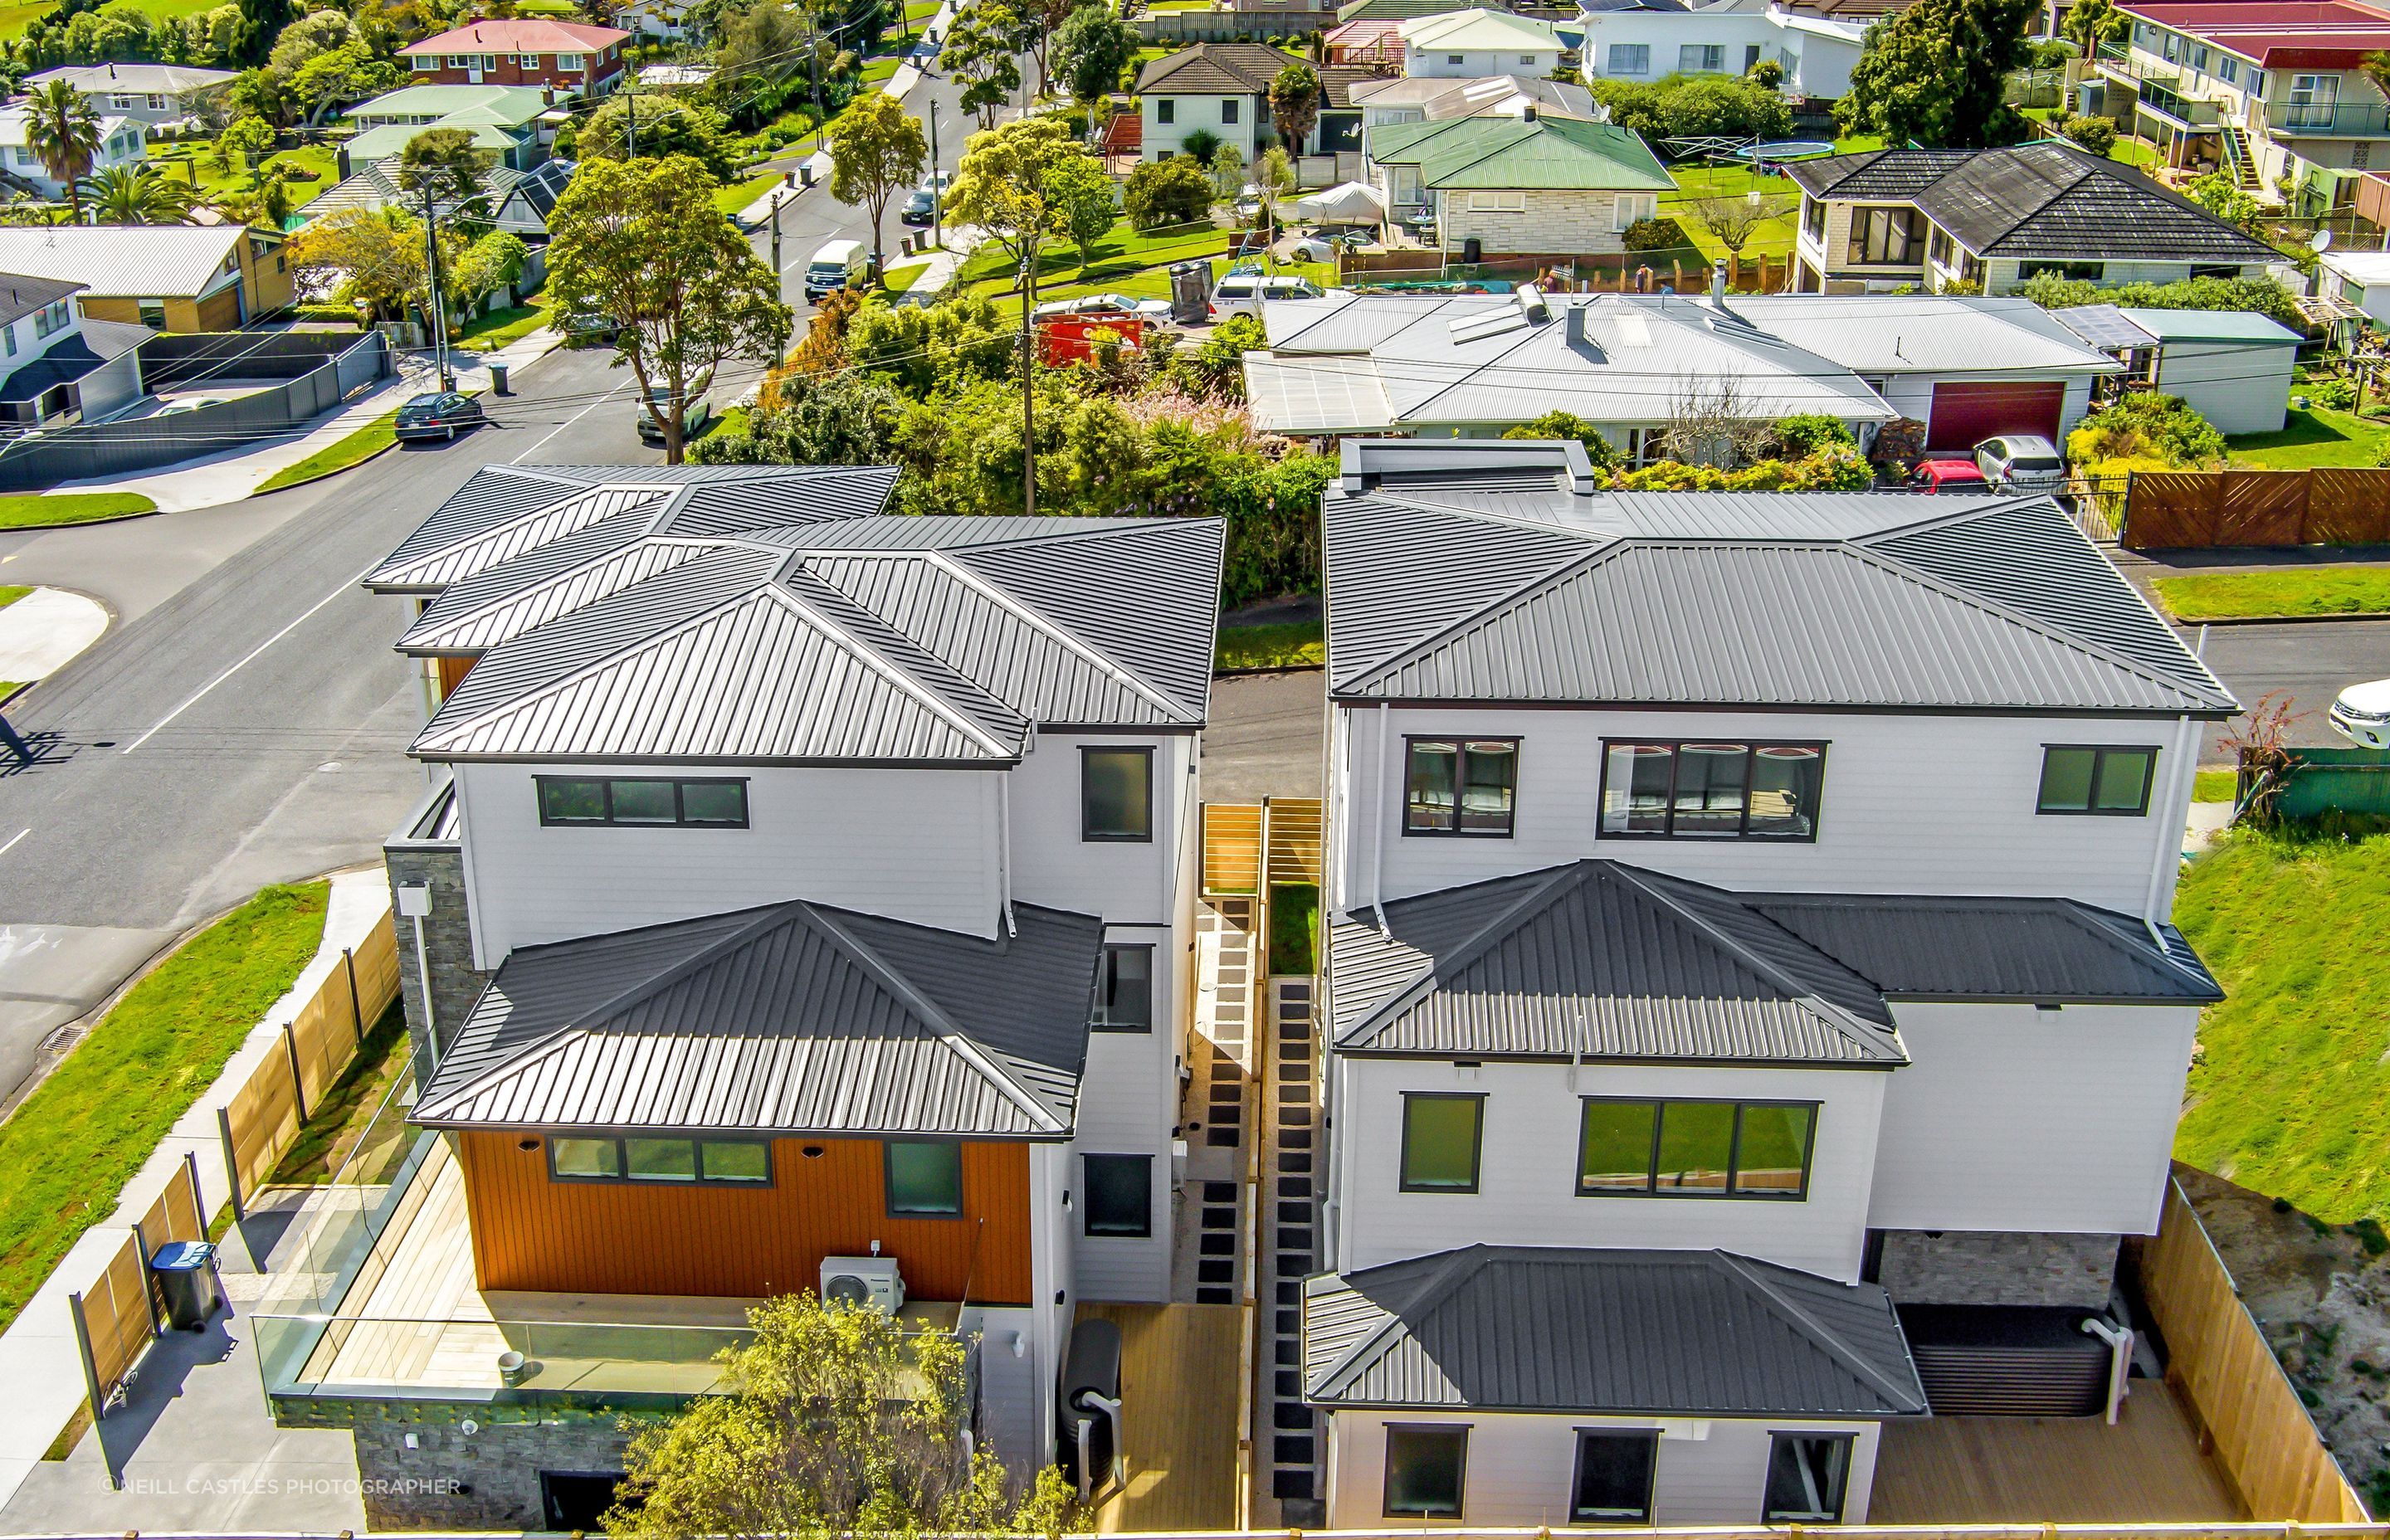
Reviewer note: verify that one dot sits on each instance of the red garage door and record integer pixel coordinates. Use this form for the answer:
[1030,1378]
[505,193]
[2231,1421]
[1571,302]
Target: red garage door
[1965,414]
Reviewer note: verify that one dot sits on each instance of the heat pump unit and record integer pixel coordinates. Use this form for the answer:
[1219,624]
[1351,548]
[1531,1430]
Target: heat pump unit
[862,1280]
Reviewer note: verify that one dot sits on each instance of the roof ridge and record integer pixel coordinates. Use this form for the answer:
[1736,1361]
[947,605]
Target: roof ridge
[415,636]
[872,658]
[953,1035]
[1818,1331]
[578,490]
[1536,895]
[1004,598]
[1609,545]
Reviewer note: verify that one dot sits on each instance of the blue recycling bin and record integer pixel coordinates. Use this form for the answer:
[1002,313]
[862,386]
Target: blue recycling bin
[186,1277]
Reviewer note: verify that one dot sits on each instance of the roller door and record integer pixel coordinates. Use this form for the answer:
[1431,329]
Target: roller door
[1965,413]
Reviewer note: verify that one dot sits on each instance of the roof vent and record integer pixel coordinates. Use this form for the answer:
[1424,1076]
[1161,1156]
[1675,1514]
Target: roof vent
[1528,113]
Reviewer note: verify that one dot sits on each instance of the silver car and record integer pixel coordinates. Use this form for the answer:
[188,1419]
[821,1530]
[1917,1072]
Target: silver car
[2026,462]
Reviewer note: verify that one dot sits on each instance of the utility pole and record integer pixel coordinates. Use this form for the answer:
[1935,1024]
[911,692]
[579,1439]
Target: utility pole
[631,133]
[431,272]
[1028,379]
[937,184]
[813,67]
[776,201]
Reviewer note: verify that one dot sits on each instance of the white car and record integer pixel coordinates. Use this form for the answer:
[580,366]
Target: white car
[1243,293]
[2026,461]
[2362,714]
[1101,304]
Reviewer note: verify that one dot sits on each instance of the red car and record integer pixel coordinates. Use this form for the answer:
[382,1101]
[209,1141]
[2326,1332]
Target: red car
[1932,476]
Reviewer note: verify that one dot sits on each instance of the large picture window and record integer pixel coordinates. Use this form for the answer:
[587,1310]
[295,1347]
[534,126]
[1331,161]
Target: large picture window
[709,802]
[1461,786]
[1694,1148]
[1614,1476]
[1711,791]
[659,1158]
[925,1179]
[1442,1133]
[1427,1467]
[2096,779]
[1116,794]
[1119,1194]
[1125,990]
[1807,1478]
[1884,235]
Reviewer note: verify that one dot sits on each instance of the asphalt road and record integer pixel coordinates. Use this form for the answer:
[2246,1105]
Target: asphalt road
[2309,663]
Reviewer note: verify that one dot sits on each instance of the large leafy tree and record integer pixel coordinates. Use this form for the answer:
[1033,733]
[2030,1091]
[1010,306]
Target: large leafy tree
[63,132]
[876,150]
[1934,75]
[641,242]
[1082,197]
[375,255]
[2088,23]
[983,51]
[1091,51]
[331,80]
[139,195]
[1294,104]
[666,125]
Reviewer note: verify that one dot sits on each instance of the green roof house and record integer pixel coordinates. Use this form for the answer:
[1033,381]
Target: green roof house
[503,120]
[1530,186]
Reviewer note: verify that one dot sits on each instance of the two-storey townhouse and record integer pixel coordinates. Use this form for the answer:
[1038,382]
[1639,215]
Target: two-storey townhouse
[56,364]
[2270,94]
[1990,218]
[1751,1010]
[807,893]
[571,56]
[149,94]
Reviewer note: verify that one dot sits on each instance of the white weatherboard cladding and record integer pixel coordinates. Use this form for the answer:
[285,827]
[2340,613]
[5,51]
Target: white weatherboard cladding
[1521,1467]
[1127,1106]
[2009,1118]
[1527,1178]
[916,845]
[1432,62]
[1011,1394]
[1940,804]
[1121,881]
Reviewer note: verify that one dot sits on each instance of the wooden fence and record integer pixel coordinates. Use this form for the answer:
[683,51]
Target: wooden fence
[116,1317]
[2189,510]
[2264,1441]
[262,1120]
[1251,846]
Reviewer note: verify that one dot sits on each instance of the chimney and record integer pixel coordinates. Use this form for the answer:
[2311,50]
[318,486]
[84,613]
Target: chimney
[1717,283]
[547,94]
[1528,113]
[1576,322]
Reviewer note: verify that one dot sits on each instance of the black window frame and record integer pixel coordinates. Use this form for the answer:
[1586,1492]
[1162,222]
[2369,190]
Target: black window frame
[2099,753]
[1640,1518]
[888,1182]
[623,1174]
[1165,112]
[1777,1437]
[1476,1150]
[1462,743]
[1458,1432]
[1144,1231]
[1098,1018]
[680,818]
[2089,271]
[1675,748]
[1730,1192]
[1813,218]
[1087,832]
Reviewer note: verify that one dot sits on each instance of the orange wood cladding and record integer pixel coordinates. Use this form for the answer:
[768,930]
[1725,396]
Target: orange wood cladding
[452,674]
[533,1233]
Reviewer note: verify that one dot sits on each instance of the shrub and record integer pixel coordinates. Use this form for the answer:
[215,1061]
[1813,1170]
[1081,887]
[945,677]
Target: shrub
[1166,192]
[2335,394]
[2259,296]
[1654,235]
[2147,425]
[1199,145]
[1568,425]
[1803,435]
[2095,135]
[347,314]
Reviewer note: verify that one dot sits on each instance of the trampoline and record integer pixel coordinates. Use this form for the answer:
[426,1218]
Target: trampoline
[1785,149]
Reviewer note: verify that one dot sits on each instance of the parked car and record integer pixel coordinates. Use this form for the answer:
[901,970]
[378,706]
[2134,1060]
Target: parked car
[921,208]
[694,417]
[2026,461]
[1948,475]
[1243,293]
[437,414]
[2362,714]
[839,264]
[1100,304]
[590,328]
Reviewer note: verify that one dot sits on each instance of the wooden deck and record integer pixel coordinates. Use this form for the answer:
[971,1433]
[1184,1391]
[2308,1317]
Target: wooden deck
[2148,1469]
[1178,1386]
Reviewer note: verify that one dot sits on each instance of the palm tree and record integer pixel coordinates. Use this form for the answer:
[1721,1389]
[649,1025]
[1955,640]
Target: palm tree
[137,195]
[63,133]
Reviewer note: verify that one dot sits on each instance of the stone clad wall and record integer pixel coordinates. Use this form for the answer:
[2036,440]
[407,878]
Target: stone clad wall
[484,1480]
[447,943]
[1997,1267]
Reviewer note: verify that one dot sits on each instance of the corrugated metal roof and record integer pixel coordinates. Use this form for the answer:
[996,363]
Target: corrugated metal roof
[119,260]
[2050,950]
[2213,326]
[1591,1330]
[1570,154]
[791,1018]
[1479,28]
[1972,334]
[1602,960]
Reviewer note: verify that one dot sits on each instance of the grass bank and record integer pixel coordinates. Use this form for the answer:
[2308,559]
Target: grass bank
[358,447]
[71,1146]
[32,510]
[2291,591]
[11,592]
[1284,644]
[2291,1087]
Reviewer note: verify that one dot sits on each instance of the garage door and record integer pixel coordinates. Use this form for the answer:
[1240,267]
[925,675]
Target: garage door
[1965,414]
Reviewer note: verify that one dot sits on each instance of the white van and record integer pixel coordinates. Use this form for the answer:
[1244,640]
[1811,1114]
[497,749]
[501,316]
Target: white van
[839,264]
[1243,293]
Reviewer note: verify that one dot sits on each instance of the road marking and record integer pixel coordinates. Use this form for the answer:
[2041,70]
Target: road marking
[254,653]
[570,420]
[12,843]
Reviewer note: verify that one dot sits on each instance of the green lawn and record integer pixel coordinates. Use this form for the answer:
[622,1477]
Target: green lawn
[898,280]
[358,447]
[11,593]
[71,1146]
[189,162]
[1119,250]
[32,510]
[2291,1088]
[1774,237]
[1295,928]
[732,198]
[488,333]
[1289,643]
[2291,591]
[876,71]
[14,20]
[2215,785]
[2313,436]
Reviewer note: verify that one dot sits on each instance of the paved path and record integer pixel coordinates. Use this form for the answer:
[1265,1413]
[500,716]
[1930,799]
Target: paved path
[41,633]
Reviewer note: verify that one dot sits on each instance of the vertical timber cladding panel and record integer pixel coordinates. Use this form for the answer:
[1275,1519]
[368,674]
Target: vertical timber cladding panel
[2261,507]
[635,1238]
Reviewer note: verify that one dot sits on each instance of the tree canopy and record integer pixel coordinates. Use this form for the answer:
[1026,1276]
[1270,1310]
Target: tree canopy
[1294,104]
[1091,52]
[1936,72]
[876,150]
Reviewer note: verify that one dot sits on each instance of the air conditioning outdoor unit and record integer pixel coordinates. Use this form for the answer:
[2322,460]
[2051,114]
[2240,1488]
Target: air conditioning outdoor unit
[862,1280]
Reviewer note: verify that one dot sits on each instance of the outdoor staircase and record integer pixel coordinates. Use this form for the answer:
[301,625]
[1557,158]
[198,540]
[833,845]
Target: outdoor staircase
[2237,153]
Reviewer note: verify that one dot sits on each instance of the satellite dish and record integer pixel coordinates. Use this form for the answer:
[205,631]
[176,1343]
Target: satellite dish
[2322,241]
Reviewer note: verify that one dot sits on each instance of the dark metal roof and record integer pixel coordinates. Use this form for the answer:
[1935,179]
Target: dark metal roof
[1486,586]
[2046,199]
[21,294]
[2050,950]
[1585,1330]
[95,345]
[791,1018]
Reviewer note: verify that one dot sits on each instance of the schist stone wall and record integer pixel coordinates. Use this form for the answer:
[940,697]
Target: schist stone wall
[447,942]
[1997,1267]
[488,1479]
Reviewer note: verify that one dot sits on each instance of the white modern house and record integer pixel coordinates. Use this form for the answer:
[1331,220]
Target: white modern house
[119,145]
[56,364]
[1470,43]
[149,94]
[1647,42]
[1752,1014]
[806,894]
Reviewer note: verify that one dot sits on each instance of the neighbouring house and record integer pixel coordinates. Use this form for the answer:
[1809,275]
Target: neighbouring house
[1708,1095]
[665,20]
[506,121]
[1651,39]
[1475,43]
[1376,44]
[2261,92]
[1432,99]
[56,364]
[1968,367]
[1524,185]
[674,77]
[2359,279]
[1223,89]
[2231,366]
[121,144]
[167,277]
[1993,218]
[1475,366]
[517,202]
[573,56]
[149,94]
[880,971]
